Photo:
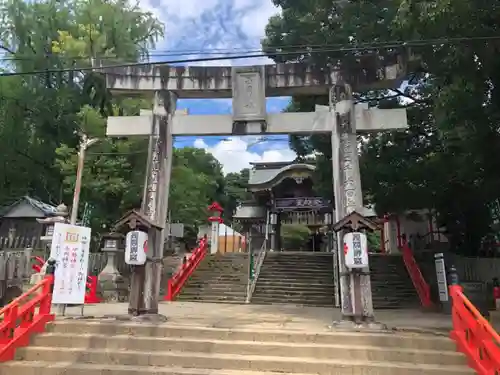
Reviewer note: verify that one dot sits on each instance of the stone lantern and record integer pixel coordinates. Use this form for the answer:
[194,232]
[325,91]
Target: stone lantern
[113,286]
[59,216]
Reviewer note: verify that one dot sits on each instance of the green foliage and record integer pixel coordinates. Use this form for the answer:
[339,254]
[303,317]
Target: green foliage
[446,160]
[295,236]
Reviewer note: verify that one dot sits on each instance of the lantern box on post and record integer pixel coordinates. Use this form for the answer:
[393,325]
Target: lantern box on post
[355,241]
[134,221]
[136,226]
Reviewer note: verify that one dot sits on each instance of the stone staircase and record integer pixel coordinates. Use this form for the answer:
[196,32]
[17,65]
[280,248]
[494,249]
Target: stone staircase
[79,347]
[392,287]
[305,278]
[219,278]
[300,278]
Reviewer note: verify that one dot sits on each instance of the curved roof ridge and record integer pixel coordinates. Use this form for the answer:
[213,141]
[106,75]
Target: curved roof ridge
[264,176]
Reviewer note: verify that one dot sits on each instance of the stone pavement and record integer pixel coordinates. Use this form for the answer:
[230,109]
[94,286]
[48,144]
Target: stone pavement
[272,317]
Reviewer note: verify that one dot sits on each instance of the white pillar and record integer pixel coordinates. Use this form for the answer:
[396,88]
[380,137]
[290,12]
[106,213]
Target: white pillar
[214,238]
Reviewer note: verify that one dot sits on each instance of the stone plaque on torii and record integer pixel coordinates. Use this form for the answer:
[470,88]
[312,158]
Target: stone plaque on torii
[248,87]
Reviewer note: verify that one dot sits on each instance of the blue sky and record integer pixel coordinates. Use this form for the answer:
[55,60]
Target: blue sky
[200,26]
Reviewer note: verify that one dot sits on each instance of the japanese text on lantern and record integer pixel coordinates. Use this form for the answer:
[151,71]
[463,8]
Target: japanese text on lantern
[71,263]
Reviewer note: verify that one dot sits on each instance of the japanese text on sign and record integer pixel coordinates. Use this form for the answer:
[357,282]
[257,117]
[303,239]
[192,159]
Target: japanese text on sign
[70,249]
[136,247]
[356,250]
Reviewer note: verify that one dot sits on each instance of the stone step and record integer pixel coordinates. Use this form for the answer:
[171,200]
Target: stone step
[383,339]
[212,301]
[337,368]
[217,286]
[310,263]
[218,360]
[276,349]
[293,284]
[285,295]
[227,292]
[216,279]
[216,298]
[321,301]
[298,269]
[293,275]
[285,287]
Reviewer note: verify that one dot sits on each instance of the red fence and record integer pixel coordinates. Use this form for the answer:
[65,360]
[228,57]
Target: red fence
[24,316]
[474,335]
[177,281]
[423,289]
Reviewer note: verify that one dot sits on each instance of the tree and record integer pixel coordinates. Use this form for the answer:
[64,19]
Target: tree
[43,113]
[446,159]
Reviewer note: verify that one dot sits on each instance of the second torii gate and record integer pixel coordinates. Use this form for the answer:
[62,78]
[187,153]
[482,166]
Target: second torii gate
[248,87]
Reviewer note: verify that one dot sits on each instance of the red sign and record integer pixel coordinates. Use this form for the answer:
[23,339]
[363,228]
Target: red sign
[145,246]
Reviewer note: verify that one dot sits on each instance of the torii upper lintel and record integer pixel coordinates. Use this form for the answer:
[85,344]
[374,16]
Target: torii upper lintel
[197,82]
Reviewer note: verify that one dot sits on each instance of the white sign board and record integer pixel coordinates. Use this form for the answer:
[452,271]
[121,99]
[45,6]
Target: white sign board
[136,248]
[356,250]
[70,249]
[441,277]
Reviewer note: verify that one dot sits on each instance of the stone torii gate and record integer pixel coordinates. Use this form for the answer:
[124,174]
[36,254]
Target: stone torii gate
[248,87]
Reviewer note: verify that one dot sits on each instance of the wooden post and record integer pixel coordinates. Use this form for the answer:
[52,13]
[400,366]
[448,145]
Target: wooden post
[156,207]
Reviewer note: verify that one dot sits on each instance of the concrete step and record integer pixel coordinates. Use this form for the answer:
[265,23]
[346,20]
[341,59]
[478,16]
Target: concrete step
[216,286]
[382,339]
[276,349]
[292,294]
[211,298]
[228,360]
[295,287]
[298,270]
[293,300]
[293,284]
[336,368]
[227,292]
[309,264]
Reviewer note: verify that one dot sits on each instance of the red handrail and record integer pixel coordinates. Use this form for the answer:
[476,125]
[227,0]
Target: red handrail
[423,289]
[177,281]
[39,262]
[24,316]
[473,335]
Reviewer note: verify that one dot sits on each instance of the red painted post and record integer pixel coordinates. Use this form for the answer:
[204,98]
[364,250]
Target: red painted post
[91,295]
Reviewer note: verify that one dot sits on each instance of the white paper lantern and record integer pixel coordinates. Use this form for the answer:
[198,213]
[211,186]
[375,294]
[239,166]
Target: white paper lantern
[356,250]
[136,247]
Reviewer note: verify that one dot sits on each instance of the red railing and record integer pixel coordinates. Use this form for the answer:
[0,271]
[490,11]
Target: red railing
[423,289]
[38,263]
[177,281]
[91,296]
[24,316]
[473,335]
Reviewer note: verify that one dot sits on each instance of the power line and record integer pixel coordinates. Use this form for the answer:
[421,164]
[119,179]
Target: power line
[274,49]
[306,51]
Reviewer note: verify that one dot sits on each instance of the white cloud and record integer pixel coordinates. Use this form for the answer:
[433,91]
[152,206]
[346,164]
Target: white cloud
[196,26]
[254,22]
[235,153]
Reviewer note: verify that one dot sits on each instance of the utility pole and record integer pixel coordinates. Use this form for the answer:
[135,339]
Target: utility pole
[85,143]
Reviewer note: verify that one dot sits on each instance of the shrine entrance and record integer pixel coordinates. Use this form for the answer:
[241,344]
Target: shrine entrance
[248,87]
